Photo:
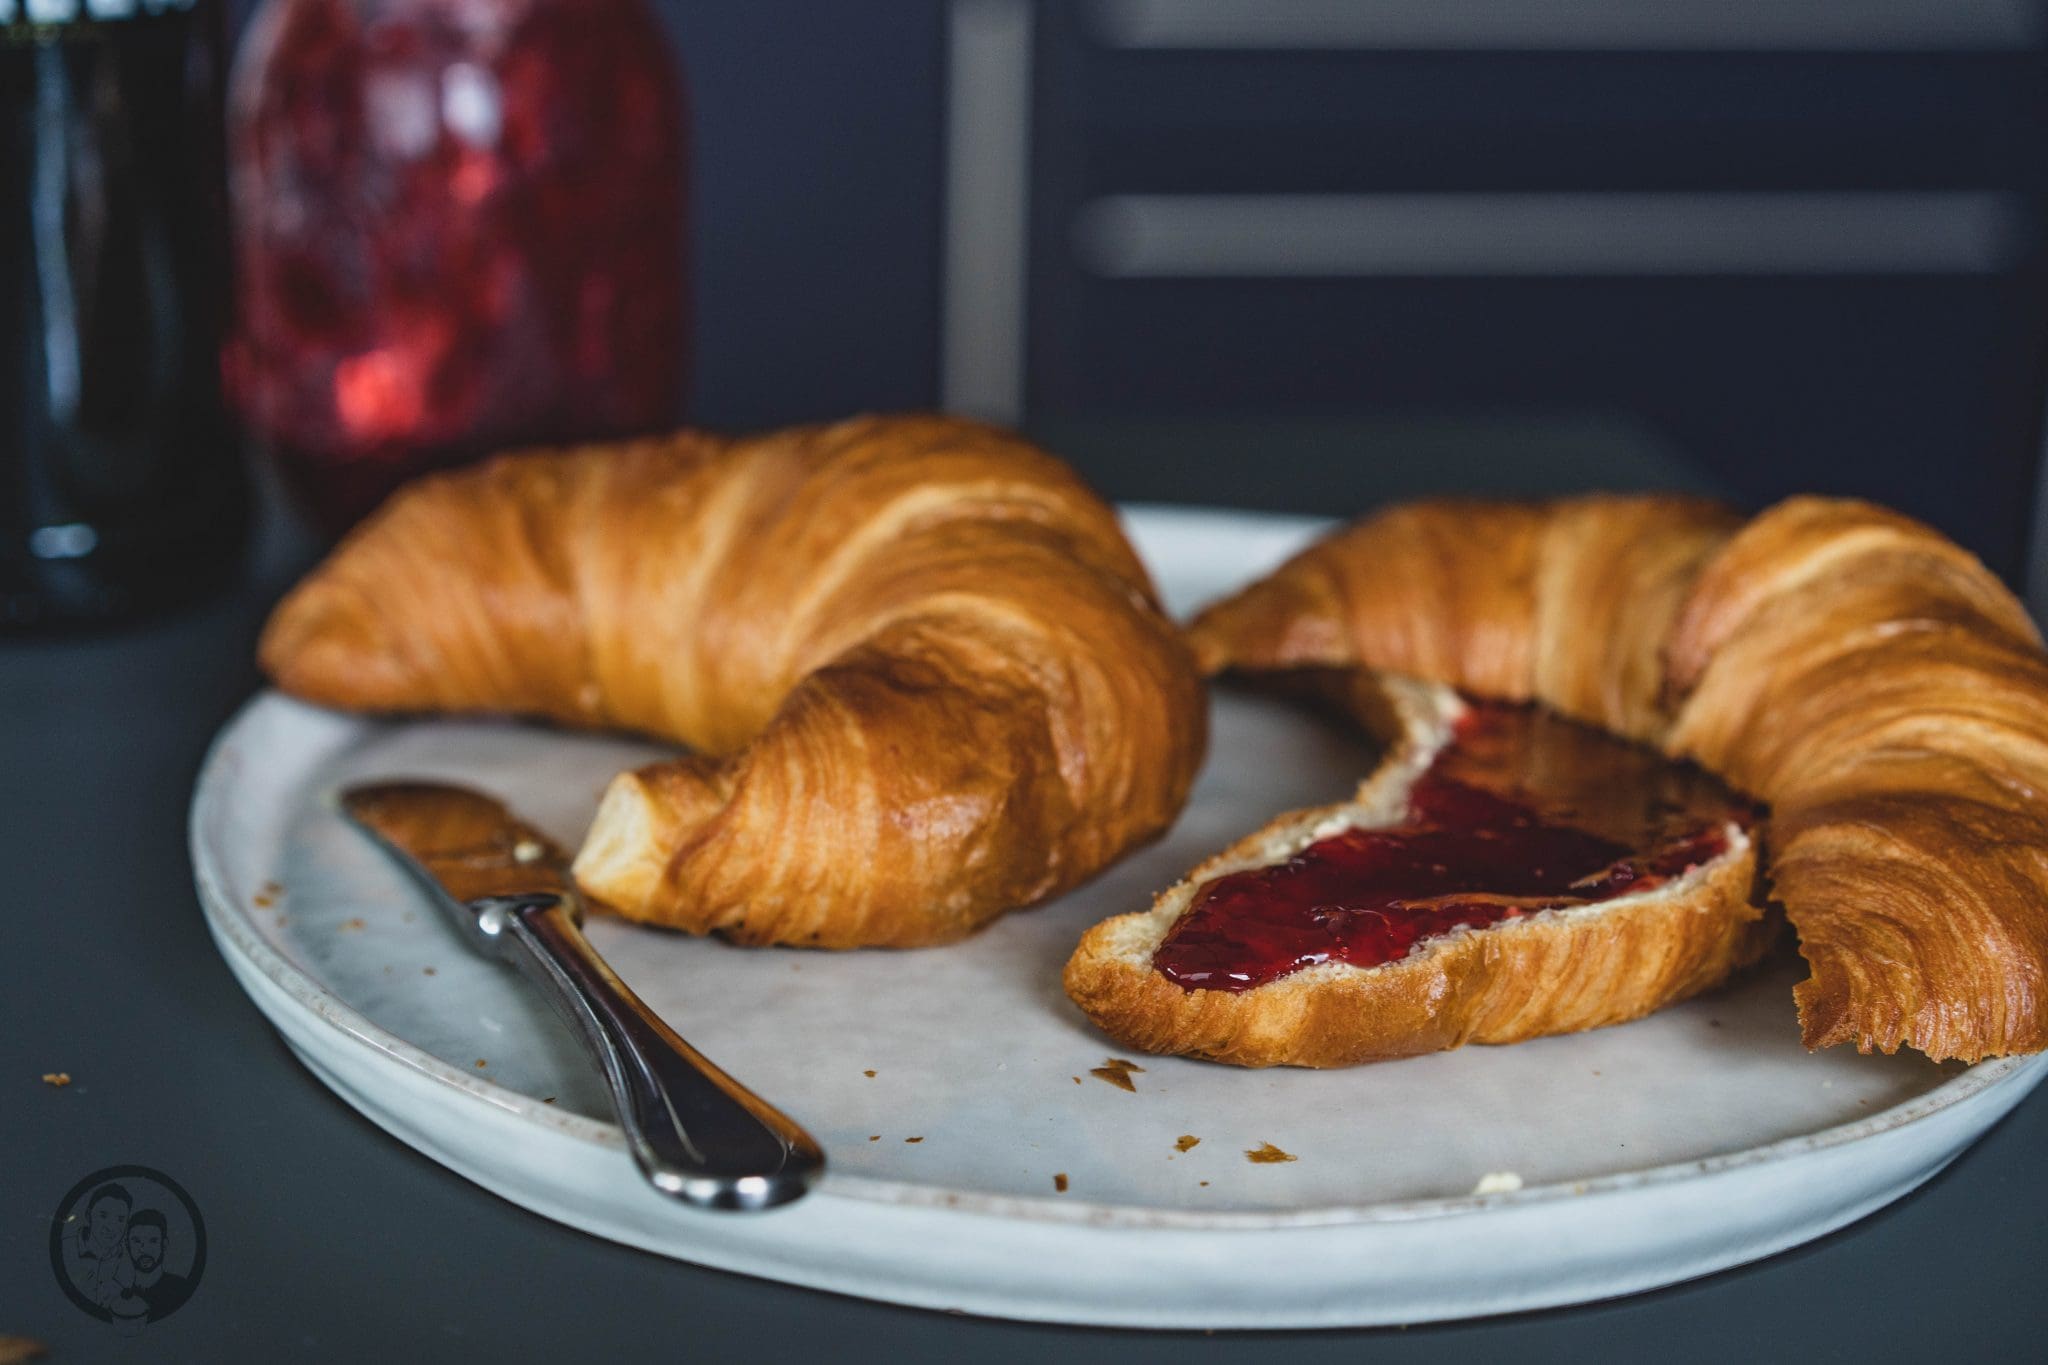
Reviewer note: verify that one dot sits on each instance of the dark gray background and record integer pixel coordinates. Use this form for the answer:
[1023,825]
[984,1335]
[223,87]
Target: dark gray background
[819,221]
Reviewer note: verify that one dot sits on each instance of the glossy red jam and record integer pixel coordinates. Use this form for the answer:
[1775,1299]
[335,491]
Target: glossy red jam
[1523,812]
[459,227]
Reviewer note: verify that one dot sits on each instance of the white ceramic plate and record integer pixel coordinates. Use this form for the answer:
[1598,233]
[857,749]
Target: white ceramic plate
[951,1087]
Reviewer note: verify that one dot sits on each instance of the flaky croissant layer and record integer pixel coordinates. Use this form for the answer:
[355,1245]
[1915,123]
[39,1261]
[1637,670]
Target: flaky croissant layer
[922,675]
[1869,679]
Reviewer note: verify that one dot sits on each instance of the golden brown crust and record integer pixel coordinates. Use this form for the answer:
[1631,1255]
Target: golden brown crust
[1889,698]
[1419,603]
[925,678]
[1616,571]
[1830,544]
[1495,598]
[1552,973]
[1869,679]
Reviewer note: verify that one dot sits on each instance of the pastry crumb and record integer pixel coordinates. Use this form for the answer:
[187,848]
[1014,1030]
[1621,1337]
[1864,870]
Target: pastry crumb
[16,1350]
[915,1139]
[1186,1142]
[1265,1154]
[1059,1182]
[60,1079]
[1205,1184]
[429,971]
[481,1063]
[1498,1182]
[352,925]
[876,1138]
[549,1100]
[869,1074]
[1117,1072]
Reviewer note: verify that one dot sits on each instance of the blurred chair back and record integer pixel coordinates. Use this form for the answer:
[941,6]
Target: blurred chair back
[1750,247]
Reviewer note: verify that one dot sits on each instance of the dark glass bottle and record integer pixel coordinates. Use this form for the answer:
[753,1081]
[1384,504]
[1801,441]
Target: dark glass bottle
[121,485]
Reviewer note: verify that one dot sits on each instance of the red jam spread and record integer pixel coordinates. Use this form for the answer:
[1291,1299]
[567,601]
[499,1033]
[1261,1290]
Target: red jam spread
[1524,811]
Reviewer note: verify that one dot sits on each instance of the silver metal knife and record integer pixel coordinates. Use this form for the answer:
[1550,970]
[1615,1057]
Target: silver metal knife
[696,1133]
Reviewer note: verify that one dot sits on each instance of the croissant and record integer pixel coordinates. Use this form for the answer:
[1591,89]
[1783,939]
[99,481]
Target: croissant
[921,674]
[1562,971]
[1870,680]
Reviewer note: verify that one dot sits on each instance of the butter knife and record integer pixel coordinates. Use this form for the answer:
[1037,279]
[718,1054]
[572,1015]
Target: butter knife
[697,1134]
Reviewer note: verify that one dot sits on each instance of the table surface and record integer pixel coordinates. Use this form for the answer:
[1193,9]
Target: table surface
[329,1240]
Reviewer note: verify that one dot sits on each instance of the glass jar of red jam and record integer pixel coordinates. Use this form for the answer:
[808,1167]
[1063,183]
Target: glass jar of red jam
[458,227]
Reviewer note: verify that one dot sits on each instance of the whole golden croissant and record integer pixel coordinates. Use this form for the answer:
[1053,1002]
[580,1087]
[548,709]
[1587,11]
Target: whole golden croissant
[1866,677]
[923,676]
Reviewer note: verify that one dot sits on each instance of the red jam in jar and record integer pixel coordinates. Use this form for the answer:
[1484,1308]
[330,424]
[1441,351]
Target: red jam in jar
[1522,812]
[459,226]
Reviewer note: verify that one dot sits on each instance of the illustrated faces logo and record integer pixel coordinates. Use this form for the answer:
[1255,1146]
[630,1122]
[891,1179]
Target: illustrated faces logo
[127,1246]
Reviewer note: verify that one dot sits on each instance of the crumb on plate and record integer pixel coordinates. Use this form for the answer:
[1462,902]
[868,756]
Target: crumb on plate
[1117,1072]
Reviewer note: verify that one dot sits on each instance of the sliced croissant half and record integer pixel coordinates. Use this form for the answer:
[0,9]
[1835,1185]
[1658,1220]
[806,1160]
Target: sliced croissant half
[1868,681]
[1578,965]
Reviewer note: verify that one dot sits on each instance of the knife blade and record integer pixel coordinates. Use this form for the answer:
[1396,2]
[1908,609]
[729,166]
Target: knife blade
[468,845]
[697,1134]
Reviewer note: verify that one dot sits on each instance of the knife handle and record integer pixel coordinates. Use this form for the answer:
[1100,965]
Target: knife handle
[698,1134]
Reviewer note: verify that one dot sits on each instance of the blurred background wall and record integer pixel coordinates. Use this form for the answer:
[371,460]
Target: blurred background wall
[1312,254]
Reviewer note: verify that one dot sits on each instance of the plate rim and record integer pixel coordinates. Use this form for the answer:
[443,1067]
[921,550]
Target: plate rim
[234,927]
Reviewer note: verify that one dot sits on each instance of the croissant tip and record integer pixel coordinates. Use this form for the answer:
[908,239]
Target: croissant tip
[1211,657]
[620,862]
